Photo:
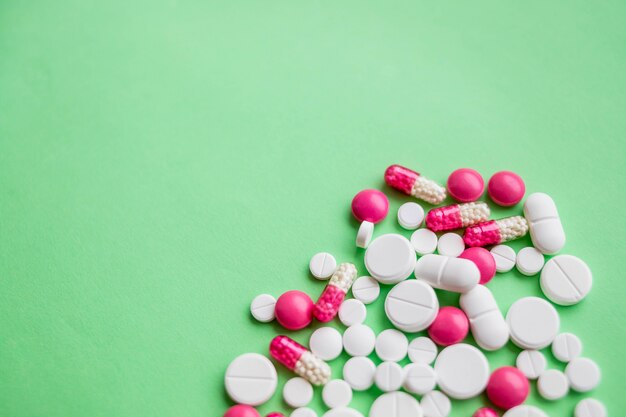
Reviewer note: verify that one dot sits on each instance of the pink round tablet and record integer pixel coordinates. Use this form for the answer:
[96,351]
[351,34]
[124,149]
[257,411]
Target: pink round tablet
[370,205]
[507,387]
[485,412]
[506,188]
[275,415]
[240,410]
[466,185]
[450,326]
[294,310]
[484,261]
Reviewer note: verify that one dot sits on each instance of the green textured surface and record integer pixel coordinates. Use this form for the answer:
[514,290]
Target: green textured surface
[161,163]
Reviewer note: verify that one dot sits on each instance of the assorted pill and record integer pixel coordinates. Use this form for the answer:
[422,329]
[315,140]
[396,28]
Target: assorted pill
[484,261]
[450,244]
[327,306]
[419,378]
[303,412]
[359,340]
[337,393]
[506,188]
[297,392]
[370,206]
[529,261]
[294,310]
[566,280]
[532,363]
[504,256]
[487,323]
[435,404]
[389,376]
[446,273]
[457,216]
[424,241]
[411,305]
[507,387]
[396,404]
[390,258]
[462,371]
[494,232]
[364,234]
[262,308]
[391,345]
[465,185]
[552,384]
[450,326]
[583,374]
[412,183]
[298,359]
[351,312]
[366,289]
[250,379]
[590,407]
[326,343]
[322,265]
[410,216]
[359,373]
[422,350]
[566,347]
[533,323]
[546,230]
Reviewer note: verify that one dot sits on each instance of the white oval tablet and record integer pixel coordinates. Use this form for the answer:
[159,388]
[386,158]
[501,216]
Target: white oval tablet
[590,407]
[396,404]
[389,376]
[583,374]
[525,411]
[424,241]
[391,345]
[462,371]
[566,347]
[533,323]
[419,378]
[532,363]
[352,311]
[450,244]
[359,340]
[262,308]
[303,412]
[552,385]
[566,280]
[446,273]
[322,265]
[250,379]
[359,373]
[505,257]
[486,321]
[410,215]
[529,261]
[436,404]
[297,392]
[390,258]
[342,412]
[337,393]
[546,230]
[411,305]
[422,350]
[364,235]
[326,343]
[366,289]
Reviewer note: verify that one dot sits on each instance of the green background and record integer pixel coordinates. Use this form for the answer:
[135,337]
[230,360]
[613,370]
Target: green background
[163,162]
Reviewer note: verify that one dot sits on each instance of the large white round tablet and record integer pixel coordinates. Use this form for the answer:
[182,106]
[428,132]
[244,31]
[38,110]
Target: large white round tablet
[424,241]
[250,379]
[462,371]
[419,378]
[359,340]
[532,363]
[389,376]
[552,384]
[529,261]
[359,373]
[436,404]
[342,412]
[450,244]
[410,215]
[525,411]
[390,258]
[505,257]
[411,305]
[422,350]
[337,393]
[396,404]
[262,308]
[590,407]
[583,374]
[533,323]
[352,311]
[303,412]
[322,265]
[364,235]
[326,343]
[566,347]
[297,392]
[566,280]
[366,289]
[391,345]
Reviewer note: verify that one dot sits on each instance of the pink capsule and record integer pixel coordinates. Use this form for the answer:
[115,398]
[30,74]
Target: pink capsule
[299,360]
[275,414]
[328,304]
[457,216]
[412,183]
[495,232]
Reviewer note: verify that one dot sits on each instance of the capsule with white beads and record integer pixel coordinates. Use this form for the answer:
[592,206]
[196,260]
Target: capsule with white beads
[327,306]
[494,232]
[457,216]
[299,360]
[414,184]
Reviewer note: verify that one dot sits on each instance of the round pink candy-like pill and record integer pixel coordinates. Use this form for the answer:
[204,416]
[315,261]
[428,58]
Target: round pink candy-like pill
[485,412]
[370,205]
[507,387]
[450,326]
[484,261]
[240,410]
[294,310]
[506,188]
[466,185]
[275,414]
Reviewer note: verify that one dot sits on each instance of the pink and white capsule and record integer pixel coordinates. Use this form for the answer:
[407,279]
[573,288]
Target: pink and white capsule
[329,302]
[412,183]
[299,360]
[457,216]
[495,232]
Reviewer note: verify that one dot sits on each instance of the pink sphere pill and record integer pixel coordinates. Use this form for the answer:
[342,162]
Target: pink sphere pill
[294,310]
[485,412]
[466,185]
[484,261]
[507,387]
[241,411]
[275,415]
[450,326]
[506,188]
[370,205]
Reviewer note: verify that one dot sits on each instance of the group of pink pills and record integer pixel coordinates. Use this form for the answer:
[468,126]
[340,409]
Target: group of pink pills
[462,265]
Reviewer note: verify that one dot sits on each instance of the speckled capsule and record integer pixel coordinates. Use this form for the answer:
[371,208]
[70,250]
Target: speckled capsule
[327,306]
[457,216]
[299,360]
[495,232]
[414,184]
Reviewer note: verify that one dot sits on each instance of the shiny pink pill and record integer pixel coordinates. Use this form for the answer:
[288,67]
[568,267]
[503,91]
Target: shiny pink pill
[275,414]
[485,412]
[507,387]
[240,410]
[450,326]
[465,185]
[484,261]
[370,205]
[506,188]
[294,310]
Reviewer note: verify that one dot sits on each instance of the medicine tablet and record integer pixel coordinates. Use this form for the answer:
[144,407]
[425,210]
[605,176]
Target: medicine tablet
[590,407]
[364,235]
[297,392]
[303,412]
[351,312]
[447,273]
[486,321]
[411,306]
[359,373]
[525,411]
[391,345]
[262,308]
[389,376]
[462,371]
[533,323]
[436,404]
[505,257]
[390,258]
[359,340]
[424,241]
[410,215]
[422,350]
[419,378]
[396,404]
[450,244]
[342,412]
[532,363]
[566,280]
[552,384]
[529,261]
[322,265]
[566,347]
[326,343]
[337,393]
[546,230]
[366,289]
[583,374]
[250,379]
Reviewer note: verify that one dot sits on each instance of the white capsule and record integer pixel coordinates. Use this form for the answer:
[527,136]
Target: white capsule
[446,273]
[546,230]
[486,320]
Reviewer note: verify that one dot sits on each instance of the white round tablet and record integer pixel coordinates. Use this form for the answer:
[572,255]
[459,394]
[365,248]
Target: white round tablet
[566,280]
[366,289]
[303,412]
[250,379]
[505,257]
[533,323]
[462,371]
[419,378]
[396,404]
[390,258]
[391,345]
[525,411]
[529,261]
[583,374]
[262,308]
[436,404]
[359,340]
[352,311]
[342,412]
[566,346]
[412,305]
[424,241]
[389,376]
[364,235]
[590,407]
[552,384]
[532,363]
[422,350]
[322,265]
[326,343]
[337,393]
[450,244]
[410,215]
[297,392]
[359,373]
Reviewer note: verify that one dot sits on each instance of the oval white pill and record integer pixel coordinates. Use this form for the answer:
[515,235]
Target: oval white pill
[326,343]
[411,305]
[446,273]
[533,323]
[359,373]
[351,312]
[391,345]
[525,411]
[566,347]
[529,261]
[486,321]
[410,215]
[566,280]
[505,257]
[303,412]
[262,308]
[250,379]
[450,244]
[583,374]
[342,412]
[462,371]
[359,340]
[590,407]
[337,393]
[424,241]
[422,350]
[436,404]
[322,265]
[396,404]
[389,376]
[297,392]
[532,363]
[552,384]
[366,289]
[419,378]
[390,258]
[546,230]
[364,235]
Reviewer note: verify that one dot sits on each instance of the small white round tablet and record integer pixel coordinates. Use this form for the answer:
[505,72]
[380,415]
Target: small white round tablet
[359,340]
[297,392]
[391,345]
[590,407]
[505,257]
[364,235]
[529,261]
[552,384]
[450,244]
[262,308]
[326,343]
[419,378]
[250,379]
[422,350]
[390,258]
[533,323]
[322,265]
[366,289]
[532,363]
[342,412]
[566,280]
[337,393]
[389,376]
[525,411]
[462,371]
[412,305]
[424,241]
[303,412]
[410,215]
[396,404]
[566,346]
[583,374]
[359,373]
[352,311]
[436,404]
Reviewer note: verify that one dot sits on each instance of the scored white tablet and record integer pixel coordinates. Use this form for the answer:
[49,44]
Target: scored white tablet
[250,379]
[366,289]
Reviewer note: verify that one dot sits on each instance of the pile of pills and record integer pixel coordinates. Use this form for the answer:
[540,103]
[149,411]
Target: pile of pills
[446,251]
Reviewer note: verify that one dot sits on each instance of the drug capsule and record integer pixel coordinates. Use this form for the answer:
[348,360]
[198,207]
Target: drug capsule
[494,232]
[412,183]
[329,302]
[299,360]
[457,216]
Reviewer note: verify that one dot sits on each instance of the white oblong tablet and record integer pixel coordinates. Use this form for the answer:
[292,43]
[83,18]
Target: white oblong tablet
[359,373]
[529,261]
[396,404]
[450,244]
[419,378]
[391,345]
[322,265]
[552,385]
[546,230]
[390,258]
[359,340]
[364,235]
[337,393]
[505,257]
[326,343]
[303,412]
[533,323]
[583,374]
[366,289]
[424,241]
[422,350]
[250,379]
[532,363]
[462,371]
[436,404]
[411,306]
[352,311]
[342,412]
[410,215]
[446,273]
[297,392]
[486,321]
[262,308]
[566,280]
[590,407]
[389,376]
[566,347]
[525,411]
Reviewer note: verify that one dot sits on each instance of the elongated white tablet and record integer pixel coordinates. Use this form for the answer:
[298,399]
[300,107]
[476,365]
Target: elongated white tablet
[546,230]
[366,289]
[297,392]
[436,404]
[532,363]
[566,347]
[590,407]
[583,374]
[322,265]
[326,343]
[486,321]
[422,350]
[566,280]
[552,385]
[352,311]
[250,379]
[450,244]
[262,308]
[411,305]
[424,241]
[525,411]
[364,235]
[342,412]
[391,345]
[359,373]
[533,323]
[396,404]
[390,258]
[419,378]
[359,340]
[505,257]
[462,371]
[529,261]
[389,376]
[410,215]
[303,412]
[337,393]
[446,273]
